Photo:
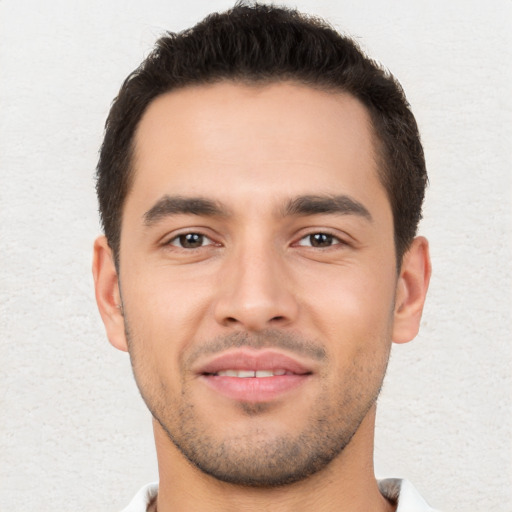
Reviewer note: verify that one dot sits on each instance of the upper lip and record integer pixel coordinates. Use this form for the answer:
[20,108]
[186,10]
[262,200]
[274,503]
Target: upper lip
[255,360]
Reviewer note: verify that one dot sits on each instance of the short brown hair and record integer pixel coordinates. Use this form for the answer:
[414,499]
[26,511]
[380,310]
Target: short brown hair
[261,44]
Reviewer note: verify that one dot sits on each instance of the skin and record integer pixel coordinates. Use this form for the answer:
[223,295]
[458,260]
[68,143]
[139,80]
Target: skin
[258,279]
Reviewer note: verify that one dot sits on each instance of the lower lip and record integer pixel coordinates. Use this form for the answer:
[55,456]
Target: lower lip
[254,389]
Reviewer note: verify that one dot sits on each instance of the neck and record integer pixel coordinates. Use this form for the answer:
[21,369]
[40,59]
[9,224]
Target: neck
[346,484]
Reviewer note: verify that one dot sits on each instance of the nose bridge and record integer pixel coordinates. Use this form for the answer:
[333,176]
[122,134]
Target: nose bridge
[255,292]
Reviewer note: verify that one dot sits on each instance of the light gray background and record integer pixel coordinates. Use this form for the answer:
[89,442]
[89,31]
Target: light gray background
[74,434]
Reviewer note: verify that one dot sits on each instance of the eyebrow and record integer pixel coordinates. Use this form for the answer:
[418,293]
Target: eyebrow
[299,206]
[176,205]
[336,204]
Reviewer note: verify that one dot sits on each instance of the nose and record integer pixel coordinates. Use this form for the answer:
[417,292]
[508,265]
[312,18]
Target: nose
[256,291]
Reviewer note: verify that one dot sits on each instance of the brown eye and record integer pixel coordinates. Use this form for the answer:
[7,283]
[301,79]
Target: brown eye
[190,241]
[319,240]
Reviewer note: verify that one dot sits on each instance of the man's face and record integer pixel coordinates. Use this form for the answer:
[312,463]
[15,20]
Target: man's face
[257,276]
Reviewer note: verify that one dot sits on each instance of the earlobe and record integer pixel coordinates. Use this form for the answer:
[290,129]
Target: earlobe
[108,297]
[411,291]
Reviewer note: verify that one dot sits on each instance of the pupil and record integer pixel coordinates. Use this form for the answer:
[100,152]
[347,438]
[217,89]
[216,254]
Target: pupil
[191,240]
[321,240]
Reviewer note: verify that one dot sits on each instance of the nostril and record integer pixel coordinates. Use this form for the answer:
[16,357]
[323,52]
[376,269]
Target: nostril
[275,319]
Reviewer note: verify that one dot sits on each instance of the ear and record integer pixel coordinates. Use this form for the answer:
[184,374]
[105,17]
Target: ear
[411,291]
[108,296]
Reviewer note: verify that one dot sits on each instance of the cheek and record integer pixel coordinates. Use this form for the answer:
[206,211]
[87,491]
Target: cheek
[351,305]
[163,308]
[167,294]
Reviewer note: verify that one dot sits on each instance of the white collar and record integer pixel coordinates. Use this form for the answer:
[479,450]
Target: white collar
[395,489]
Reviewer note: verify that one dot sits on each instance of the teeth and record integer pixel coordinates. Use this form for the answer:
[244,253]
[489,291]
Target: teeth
[264,373]
[244,374]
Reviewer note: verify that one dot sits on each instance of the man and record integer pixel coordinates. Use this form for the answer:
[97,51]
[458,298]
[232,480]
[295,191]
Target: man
[260,185]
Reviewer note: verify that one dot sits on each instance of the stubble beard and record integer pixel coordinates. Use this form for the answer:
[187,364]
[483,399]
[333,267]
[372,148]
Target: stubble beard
[257,458]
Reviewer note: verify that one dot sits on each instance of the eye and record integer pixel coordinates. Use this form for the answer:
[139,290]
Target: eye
[190,241]
[319,240]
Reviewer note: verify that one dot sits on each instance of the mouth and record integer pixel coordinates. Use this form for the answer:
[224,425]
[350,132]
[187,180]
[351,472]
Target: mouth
[254,375]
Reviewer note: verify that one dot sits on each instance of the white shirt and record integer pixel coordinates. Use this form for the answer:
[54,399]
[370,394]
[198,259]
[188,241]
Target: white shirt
[395,489]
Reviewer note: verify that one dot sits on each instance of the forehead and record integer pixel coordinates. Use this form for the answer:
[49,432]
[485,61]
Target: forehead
[235,141]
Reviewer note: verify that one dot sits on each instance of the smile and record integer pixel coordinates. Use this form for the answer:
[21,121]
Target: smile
[253,375]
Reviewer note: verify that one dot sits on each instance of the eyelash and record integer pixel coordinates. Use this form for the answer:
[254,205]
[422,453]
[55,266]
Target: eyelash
[329,238]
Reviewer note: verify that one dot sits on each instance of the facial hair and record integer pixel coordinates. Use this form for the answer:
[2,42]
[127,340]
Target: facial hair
[257,456]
